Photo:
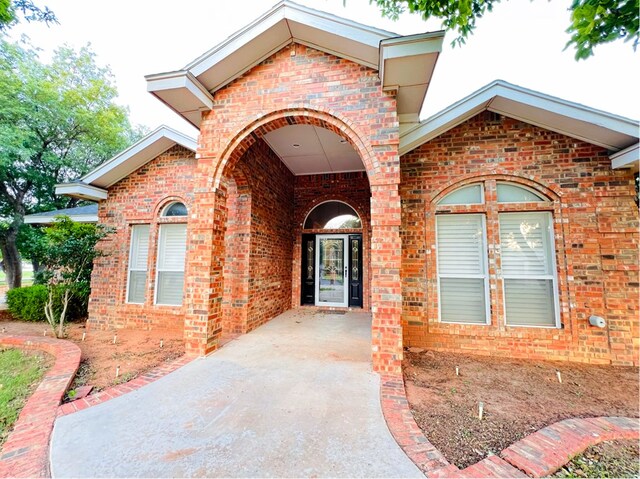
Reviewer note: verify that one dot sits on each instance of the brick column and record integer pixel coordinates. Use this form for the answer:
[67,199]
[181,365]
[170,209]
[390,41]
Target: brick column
[204,275]
[386,288]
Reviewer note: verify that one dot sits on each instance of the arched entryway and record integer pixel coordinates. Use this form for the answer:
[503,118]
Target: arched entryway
[282,190]
[332,256]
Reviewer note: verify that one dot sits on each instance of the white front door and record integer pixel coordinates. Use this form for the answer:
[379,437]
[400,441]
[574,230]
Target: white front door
[331,272]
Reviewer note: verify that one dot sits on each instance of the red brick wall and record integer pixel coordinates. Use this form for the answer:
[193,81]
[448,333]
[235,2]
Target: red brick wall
[310,191]
[271,234]
[596,239]
[138,199]
[298,85]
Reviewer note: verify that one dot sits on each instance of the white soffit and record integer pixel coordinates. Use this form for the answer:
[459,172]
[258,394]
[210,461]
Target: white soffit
[572,119]
[627,158]
[309,150]
[82,191]
[406,65]
[409,60]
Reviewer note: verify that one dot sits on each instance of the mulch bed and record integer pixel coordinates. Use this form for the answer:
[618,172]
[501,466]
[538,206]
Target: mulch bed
[519,398]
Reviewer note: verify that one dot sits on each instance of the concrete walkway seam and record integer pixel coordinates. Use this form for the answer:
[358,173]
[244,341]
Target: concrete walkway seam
[26,451]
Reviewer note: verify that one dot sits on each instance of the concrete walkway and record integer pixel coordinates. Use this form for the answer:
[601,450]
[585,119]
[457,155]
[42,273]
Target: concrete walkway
[294,398]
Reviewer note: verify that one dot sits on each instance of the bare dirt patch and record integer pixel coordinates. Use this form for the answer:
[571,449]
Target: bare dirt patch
[519,398]
[134,351]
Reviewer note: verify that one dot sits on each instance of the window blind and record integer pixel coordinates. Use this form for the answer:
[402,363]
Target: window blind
[462,271]
[527,269]
[138,256]
[172,247]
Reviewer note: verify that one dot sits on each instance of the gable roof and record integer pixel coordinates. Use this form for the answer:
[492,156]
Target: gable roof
[572,119]
[93,185]
[81,214]
[405,63]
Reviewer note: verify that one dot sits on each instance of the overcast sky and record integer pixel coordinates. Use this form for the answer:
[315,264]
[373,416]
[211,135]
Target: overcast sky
[520,41]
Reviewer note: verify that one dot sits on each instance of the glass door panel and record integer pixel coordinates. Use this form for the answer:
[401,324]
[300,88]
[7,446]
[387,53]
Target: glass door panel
[331,284]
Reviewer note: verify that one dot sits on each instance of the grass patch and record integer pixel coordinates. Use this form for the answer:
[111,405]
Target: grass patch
[20,373]
[607,459]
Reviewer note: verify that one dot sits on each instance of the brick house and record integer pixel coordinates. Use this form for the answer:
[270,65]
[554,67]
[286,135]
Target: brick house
[497,226]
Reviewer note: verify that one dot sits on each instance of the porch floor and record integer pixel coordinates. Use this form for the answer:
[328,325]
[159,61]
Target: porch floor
[294,398]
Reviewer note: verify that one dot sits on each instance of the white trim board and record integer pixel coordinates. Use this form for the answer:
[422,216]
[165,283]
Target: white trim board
[572,119]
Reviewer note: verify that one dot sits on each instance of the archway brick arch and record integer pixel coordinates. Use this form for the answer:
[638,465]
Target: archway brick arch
[217,157]
[257,129]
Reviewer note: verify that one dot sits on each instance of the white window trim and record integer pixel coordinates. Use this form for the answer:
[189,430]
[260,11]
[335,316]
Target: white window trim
[553,277]
[155,289]
[130,269]
[487,302]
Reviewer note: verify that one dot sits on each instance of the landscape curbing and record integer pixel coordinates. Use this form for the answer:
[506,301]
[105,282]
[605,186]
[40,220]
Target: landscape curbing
[538,455]
[26,451]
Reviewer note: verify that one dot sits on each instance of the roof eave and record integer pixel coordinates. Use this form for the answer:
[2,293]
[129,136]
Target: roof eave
[398,58]
[82,191]
[501,97]
[627,158]
[145,149]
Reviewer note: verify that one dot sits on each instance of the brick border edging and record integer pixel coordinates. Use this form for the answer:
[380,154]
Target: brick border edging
[410,438]
[26,451]
[539,454]
[115,391]
[547,450]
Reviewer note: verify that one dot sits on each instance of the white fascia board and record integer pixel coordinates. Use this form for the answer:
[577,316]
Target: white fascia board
[45,220]
[409,45]
[284,11]
[444,120]
[480,100]
[627,158]
[180,80]
[143,146]
[81,190]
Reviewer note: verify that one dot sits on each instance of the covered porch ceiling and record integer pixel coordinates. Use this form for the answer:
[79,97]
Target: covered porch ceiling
[309,150]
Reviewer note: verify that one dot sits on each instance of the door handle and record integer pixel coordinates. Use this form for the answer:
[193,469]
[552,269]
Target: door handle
[346,271]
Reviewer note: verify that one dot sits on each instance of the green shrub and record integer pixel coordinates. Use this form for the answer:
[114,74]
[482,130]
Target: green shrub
[27,304]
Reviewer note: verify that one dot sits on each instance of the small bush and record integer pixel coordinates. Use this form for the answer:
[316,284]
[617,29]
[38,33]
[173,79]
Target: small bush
[27,304]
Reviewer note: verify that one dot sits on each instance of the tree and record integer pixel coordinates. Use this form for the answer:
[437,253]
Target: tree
[10,10]
[57,122]
[67,253]
[593,22]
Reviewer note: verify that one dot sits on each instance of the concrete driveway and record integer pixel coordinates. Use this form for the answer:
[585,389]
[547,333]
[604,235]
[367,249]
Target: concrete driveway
[294,398]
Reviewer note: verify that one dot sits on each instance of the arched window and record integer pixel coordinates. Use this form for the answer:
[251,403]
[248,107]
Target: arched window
[174,209]
[524,256]
[332,215]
